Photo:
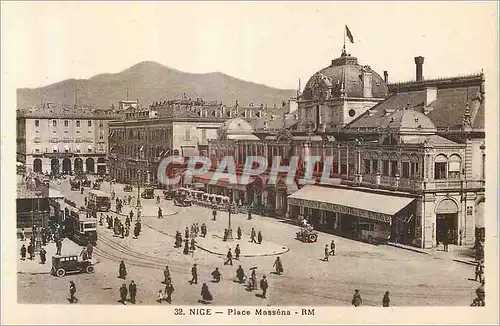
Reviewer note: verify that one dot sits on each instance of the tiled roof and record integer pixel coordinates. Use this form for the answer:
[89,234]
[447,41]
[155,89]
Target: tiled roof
[433,140]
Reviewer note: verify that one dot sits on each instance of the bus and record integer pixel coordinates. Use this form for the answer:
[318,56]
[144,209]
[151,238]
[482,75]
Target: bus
[99,201]
[80,229]
[374,232]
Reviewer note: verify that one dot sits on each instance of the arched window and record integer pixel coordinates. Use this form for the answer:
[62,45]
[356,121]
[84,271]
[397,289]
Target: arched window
[440,167]
[454,167]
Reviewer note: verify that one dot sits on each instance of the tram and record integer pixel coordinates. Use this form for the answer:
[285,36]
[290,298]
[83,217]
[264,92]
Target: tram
[80,228]
[99,201]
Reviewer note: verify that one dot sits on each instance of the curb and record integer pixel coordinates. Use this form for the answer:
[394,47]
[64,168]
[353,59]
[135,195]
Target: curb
[407,248]
[426,253]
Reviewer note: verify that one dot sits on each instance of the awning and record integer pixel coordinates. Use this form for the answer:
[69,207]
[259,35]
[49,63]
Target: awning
[347,201]
[224,181]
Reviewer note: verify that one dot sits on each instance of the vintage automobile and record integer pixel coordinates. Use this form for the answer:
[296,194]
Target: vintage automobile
[307,235]
[127,188]
[148,193]
[75,185]
[96,185]
[183,201]
[61,265]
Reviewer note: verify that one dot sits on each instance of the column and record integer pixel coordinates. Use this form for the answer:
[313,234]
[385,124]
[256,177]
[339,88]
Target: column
[338,159]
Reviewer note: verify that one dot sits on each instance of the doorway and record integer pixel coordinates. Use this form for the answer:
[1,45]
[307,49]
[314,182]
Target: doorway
[446,226]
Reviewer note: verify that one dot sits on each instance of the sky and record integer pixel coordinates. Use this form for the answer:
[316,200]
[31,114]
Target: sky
[273,43]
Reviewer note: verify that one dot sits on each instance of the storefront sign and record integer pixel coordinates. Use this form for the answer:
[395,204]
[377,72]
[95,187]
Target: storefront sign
[341,209]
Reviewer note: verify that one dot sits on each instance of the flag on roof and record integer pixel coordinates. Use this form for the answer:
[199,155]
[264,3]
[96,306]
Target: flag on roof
[349,34]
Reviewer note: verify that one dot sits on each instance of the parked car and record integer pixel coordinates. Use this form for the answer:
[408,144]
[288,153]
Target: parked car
[127,188]
[61,265]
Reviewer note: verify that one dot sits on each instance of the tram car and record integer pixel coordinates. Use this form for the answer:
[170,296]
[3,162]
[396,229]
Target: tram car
[81,229]
[99,201]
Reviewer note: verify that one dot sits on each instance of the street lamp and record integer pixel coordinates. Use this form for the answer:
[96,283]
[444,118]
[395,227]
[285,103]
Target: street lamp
[138,204]
[229,236]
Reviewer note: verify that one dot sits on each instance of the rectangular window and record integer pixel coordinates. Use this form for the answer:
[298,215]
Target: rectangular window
[394,168]
[406,169]
[66,123]
[374,166]
[415,173]
[367,167]
[343,168]
[187,135]
[385,168]
[335,167]
[54,123]
[440,170]
[454,170]
[351,169]
[203,134]
[37,123]
[90,123]
[78,123]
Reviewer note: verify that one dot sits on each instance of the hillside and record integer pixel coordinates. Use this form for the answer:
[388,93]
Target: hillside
[150,81]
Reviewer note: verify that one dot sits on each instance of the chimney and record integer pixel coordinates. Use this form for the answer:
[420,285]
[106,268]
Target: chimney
[386,76]
[419,62]
[430,95]
[367,82]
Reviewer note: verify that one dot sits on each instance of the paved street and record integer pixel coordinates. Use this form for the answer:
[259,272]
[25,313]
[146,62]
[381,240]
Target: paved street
[412,278]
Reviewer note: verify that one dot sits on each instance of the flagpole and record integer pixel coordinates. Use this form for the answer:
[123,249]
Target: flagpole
[343,49]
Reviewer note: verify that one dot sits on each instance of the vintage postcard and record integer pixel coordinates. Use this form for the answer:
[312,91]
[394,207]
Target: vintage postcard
[249,162]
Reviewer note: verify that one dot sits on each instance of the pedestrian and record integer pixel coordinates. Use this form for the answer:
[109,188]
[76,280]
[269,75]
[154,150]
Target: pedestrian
[356,299]
[479,272]
[123,293]
[169,289]
[259,237]
[85,201]
[132,289]
[225,235]
[205,293]
[160,214]
[23,235]
[214,214]
[386,300]
[186,247]
[23,252]
[90,250]
[81,192]
[253,280]
[160,297]
[136,230]
[122,231]
[43,256]
[31,250]
[122,271]
[445,242]
[58,246]
[327,253]
[131,215]
[197,229]
[249,215]
[332,248]
[216,275]
[229,258]
[237,252]
[127,221]
[194,274]
[186,233]
[252,236]
[127,230]
[279,266]
[264,286]
[238,232]
[203,230]
[193,244]
[240,274]
[166,275]
[72,291]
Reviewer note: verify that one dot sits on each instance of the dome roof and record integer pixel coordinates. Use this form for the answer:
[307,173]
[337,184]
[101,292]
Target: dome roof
[237,126]
[344,70]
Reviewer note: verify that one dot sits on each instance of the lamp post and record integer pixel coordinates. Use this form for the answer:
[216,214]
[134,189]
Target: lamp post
[37,241]
[229,229]
[138,204]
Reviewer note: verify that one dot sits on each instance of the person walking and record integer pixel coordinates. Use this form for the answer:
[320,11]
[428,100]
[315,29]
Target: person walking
[186,247]
[90,250]
[203,230]
[229,258]
[356,299]
[252,236]
[186,233]
[166,275]
[249,214]
[327,253]
[445,242]
[123,293]
[279,266]
[479,272]
[386,300]
[259,237]
[132,290]
[23,252]
[31,250]
[58,246]
[332,248]
[205,293]
[169,289]
[72,292]
[238,232]
[214,214]
[160,297]
[43,256]
[160,213]
[264,286]
[240,274]
[122,271]
[194,274]
[253,280]
[127,221]
[225,235]
[237,252]
[23,235]
[216,275]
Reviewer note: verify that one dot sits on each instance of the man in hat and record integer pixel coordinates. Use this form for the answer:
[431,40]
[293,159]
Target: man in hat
[72,291]
[166,275]
[327,253]
[237,251]
[252,236]
[264,286]
[194,274]
[238,232]
[229,257]
[132,290]
[332,248]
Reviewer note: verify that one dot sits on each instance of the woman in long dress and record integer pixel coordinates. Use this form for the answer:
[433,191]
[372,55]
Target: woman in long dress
[205,293]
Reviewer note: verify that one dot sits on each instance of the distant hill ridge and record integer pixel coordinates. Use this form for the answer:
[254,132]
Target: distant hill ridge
[150,81]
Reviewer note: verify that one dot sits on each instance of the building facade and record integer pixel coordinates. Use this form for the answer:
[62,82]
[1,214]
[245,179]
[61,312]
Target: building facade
[62,140]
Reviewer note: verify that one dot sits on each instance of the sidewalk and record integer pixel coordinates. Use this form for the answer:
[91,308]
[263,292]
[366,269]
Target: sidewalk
[213,243]
[34,267]
[460,254]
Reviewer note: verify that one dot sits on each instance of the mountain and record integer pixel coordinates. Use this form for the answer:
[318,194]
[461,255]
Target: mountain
[150,81]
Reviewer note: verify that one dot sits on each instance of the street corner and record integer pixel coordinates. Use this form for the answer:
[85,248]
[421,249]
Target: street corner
[213,243]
